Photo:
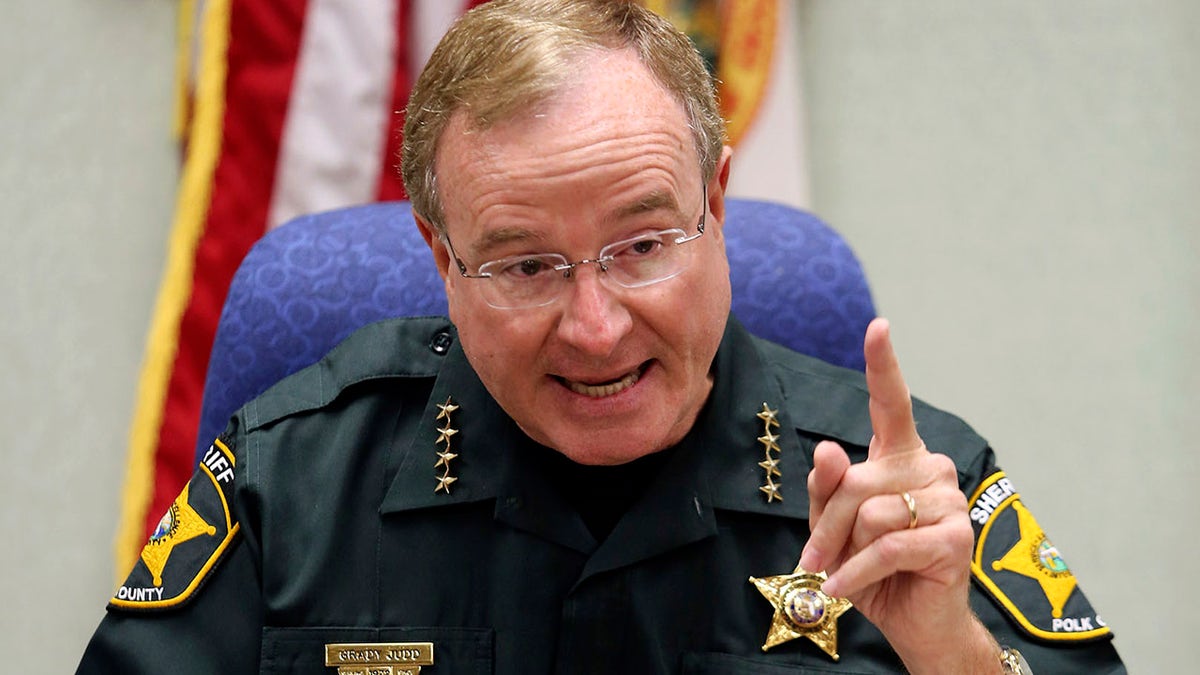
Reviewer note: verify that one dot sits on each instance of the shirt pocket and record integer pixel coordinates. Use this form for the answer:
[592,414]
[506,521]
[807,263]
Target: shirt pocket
[302,650]
[728,664]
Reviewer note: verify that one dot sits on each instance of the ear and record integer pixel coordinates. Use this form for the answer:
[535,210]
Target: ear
[441,257]
[716,188]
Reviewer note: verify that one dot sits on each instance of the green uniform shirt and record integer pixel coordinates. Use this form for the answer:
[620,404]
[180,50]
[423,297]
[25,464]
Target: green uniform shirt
[315,520]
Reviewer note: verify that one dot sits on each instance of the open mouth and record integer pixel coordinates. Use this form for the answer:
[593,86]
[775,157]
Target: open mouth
[602,389]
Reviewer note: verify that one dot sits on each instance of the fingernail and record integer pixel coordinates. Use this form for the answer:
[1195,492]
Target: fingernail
[810,559]
[831,587]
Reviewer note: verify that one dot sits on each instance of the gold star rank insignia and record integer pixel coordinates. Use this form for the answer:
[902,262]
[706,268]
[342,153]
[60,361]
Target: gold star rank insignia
[445,434]
[771,490]
[444,409]
[770,463]
[802,610]
[444,459]
[768,417]
[444,454]
[444,483]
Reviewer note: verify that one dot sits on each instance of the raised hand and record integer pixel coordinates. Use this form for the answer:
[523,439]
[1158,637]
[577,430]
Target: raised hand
[893,532]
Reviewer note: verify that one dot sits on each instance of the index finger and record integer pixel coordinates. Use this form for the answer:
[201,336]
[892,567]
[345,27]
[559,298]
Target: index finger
[891,402]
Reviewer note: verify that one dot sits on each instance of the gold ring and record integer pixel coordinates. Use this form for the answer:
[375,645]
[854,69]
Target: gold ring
[912,509]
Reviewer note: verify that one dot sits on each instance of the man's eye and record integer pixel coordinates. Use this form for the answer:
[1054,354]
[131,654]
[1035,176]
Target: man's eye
[529,267]
[646,245]
[643,247]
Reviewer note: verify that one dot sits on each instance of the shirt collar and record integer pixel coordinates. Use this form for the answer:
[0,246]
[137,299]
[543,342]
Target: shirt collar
[716,466]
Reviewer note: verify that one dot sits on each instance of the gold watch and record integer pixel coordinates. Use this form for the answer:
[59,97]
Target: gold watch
[1013,663]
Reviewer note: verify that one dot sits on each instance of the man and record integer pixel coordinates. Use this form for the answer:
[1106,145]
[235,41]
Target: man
[595,503]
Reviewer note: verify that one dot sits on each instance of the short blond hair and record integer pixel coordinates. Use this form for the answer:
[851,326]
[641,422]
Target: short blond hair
[507,55]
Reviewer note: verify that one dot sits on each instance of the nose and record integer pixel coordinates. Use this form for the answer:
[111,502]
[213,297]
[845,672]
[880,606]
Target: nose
[594,319]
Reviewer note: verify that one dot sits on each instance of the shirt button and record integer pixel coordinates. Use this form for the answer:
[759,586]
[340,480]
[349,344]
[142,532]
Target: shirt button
[440,344]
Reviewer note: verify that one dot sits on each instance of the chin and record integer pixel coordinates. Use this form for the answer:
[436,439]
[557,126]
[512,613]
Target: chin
[587,451]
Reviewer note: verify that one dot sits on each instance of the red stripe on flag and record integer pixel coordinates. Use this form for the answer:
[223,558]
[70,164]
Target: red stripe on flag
[264,42]
[390,185]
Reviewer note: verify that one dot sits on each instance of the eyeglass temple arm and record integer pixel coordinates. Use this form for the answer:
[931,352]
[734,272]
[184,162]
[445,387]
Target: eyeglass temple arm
[462,267]
[699,225]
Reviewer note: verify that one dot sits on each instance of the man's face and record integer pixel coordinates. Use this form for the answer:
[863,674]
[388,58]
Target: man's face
[603,374]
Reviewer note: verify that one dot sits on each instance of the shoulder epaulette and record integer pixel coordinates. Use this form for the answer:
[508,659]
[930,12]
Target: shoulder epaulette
[824,407]
[402,347]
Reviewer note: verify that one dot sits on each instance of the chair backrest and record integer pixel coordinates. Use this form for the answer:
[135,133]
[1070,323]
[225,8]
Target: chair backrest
[308,284]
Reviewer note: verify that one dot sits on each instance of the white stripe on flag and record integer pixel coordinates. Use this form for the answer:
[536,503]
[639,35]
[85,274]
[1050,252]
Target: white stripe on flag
[770,161]
[337,122]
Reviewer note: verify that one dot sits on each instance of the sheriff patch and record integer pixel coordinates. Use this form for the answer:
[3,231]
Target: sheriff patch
[1023,571]
[192,536]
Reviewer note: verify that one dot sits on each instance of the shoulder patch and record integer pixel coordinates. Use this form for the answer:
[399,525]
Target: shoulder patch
[190,539]
[1018,566]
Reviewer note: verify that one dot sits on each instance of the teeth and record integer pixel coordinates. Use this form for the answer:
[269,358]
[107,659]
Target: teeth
[601,390]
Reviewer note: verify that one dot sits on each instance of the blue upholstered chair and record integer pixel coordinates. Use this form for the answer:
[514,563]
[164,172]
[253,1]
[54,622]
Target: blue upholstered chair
[308,284]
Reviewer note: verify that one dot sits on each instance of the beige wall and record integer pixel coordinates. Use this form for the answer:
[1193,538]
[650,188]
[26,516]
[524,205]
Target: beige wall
[87,179]
[1019,179]
[1014,175]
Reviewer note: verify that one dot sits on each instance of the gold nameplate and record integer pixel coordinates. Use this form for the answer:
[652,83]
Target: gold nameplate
[379,658]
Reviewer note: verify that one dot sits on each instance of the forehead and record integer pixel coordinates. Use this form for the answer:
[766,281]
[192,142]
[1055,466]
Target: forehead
[612,128]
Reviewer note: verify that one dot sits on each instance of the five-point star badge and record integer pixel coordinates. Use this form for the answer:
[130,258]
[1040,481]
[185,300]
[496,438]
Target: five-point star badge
[1035,557]
[801,609]
[180,523]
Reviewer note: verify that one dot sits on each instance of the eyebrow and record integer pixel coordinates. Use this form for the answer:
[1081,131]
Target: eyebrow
[501,236]
[656,200]
[653,201]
